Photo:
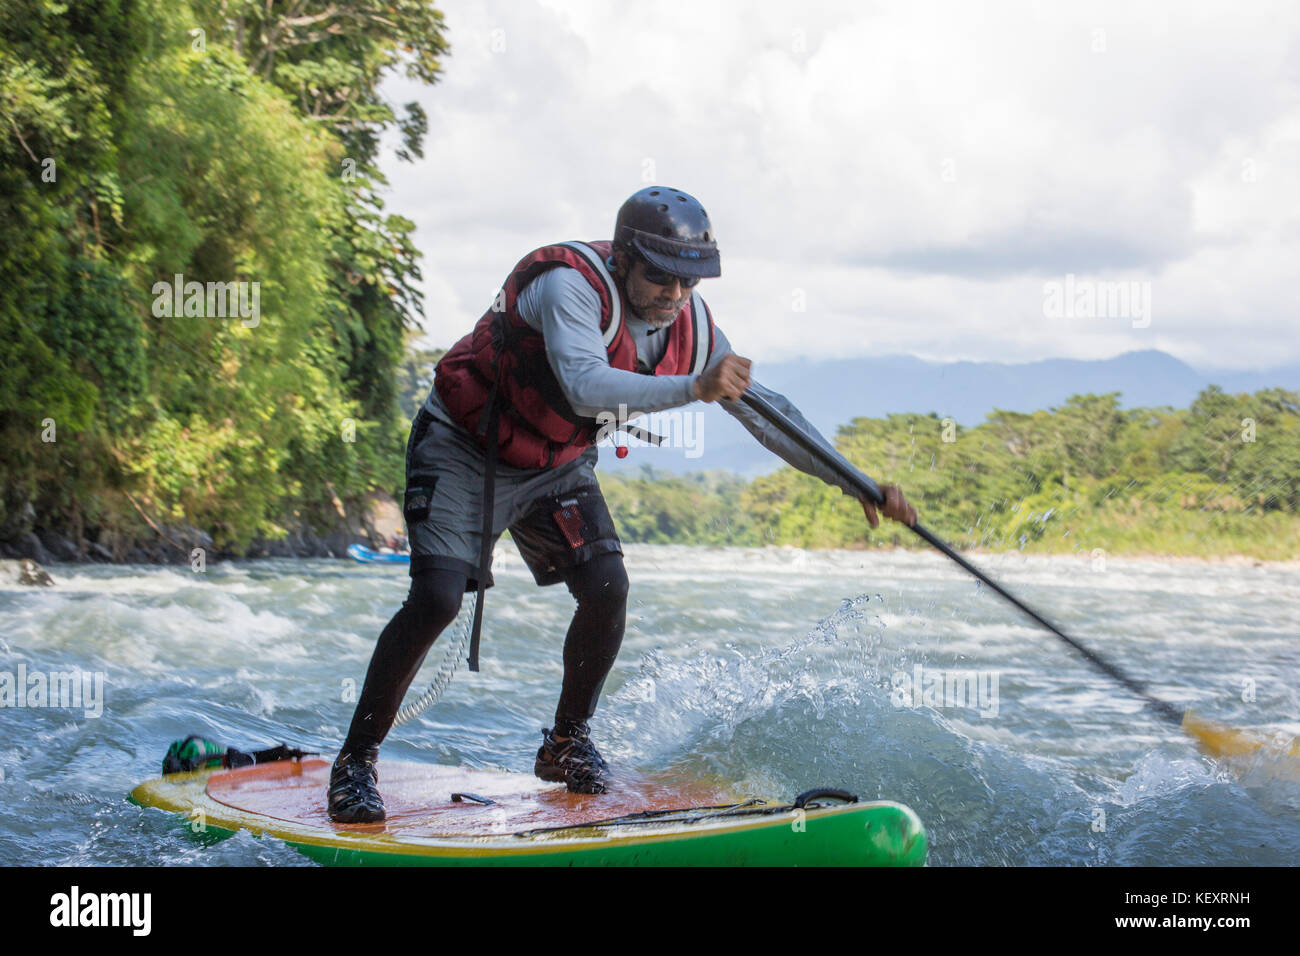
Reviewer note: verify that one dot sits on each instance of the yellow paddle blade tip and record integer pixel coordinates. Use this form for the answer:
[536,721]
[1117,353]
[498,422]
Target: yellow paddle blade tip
[1218,740]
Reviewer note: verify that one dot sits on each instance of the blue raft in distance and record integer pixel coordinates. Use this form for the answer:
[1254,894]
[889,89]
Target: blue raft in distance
[359,552]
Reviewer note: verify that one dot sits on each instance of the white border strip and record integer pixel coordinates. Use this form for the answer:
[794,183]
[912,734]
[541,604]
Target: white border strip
[616,317]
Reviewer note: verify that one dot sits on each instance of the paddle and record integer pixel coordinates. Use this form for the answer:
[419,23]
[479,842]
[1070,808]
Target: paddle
[1215,739]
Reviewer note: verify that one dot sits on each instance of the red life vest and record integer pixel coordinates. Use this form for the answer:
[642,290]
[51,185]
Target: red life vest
[537,427]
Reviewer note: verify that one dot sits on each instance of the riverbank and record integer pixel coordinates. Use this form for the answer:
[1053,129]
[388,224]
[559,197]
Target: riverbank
[374,524]
[28,570]
[1084,558]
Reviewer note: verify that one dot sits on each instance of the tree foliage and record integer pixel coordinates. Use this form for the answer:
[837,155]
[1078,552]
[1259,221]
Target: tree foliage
[224,142]
[1220,476]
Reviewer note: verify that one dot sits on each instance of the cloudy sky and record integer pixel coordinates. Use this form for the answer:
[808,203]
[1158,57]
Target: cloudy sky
[914,178]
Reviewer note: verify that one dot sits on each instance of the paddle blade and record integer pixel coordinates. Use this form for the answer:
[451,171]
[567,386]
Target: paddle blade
[1223,742]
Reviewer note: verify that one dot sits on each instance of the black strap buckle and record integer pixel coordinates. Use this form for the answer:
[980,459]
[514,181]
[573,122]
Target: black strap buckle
[821,793]
[473,798]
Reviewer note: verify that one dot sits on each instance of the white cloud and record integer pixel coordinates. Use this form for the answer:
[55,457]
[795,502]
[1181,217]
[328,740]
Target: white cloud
[919,170]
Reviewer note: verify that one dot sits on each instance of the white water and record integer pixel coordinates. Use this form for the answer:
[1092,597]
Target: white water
[779,669]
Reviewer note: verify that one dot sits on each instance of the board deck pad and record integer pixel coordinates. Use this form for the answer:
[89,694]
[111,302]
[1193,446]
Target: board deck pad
[417,798]
[533,823]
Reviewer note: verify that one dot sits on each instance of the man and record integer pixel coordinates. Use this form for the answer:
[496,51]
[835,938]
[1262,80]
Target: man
[507,437]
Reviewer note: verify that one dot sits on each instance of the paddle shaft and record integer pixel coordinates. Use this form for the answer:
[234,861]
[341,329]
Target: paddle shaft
[871,491]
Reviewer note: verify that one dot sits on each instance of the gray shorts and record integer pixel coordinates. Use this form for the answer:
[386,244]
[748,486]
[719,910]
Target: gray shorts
[557,516]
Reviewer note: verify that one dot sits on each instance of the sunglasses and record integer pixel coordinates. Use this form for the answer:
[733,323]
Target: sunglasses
[657,276]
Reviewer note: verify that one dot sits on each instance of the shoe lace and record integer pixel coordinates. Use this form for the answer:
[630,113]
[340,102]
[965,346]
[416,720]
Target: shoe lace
[580,752]
[356,772]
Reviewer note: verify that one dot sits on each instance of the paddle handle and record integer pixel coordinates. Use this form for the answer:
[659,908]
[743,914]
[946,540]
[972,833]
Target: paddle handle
[865,486]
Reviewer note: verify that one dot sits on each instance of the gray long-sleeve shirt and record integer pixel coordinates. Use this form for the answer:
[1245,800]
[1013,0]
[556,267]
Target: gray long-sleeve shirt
[562,305]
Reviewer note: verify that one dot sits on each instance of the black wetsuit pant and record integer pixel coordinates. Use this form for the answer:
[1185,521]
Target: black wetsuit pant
[600,588]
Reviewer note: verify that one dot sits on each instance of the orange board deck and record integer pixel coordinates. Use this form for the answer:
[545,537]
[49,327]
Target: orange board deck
[418,798]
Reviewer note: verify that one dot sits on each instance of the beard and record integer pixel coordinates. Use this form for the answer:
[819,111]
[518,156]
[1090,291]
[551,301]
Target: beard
[646,308]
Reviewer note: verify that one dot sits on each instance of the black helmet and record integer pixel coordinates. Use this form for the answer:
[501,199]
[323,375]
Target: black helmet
[669,229]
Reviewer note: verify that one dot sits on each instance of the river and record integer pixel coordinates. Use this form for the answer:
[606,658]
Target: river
[892,674]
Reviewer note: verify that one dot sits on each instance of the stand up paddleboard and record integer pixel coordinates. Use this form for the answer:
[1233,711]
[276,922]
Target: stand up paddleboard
[450,816]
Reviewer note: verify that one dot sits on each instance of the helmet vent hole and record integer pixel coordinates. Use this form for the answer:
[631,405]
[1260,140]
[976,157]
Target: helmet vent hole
[654,192]
[663,208]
